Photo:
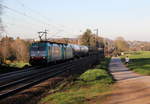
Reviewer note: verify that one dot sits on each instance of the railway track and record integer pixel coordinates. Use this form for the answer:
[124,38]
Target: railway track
[15,82]
[19,71]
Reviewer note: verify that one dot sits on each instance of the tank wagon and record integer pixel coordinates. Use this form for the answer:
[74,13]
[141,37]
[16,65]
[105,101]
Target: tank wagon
[46,52]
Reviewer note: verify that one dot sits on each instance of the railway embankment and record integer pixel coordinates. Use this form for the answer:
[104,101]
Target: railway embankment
[83,88]
[71,74]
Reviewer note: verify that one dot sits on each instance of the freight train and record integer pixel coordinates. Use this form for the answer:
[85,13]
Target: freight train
[44,52]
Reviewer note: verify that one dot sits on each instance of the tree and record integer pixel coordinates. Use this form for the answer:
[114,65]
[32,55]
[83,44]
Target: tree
[121,44]
[91,40]
[20,47]
[6,50]
[86,38]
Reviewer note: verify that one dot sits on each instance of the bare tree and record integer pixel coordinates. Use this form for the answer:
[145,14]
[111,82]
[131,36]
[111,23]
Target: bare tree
[21,49]
[86,38]
[6,49]
[121,44]
[91,40]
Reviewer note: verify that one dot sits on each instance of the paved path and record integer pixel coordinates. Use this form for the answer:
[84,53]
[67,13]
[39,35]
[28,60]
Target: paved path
[131,88]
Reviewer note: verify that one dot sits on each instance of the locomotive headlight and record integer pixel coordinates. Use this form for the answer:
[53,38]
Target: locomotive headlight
[44,57]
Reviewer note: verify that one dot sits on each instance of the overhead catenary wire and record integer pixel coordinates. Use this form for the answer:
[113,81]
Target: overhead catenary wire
[12,23]
[24,14]
[59,26]
[39,14]
[35,19]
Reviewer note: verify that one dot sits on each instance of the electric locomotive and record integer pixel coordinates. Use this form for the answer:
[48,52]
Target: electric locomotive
[46,52]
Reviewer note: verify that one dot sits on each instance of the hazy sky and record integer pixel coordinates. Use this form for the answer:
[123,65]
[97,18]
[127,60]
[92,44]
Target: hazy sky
[69,18]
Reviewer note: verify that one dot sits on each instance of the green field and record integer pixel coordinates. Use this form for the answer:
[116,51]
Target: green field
[139,62]
[92,84]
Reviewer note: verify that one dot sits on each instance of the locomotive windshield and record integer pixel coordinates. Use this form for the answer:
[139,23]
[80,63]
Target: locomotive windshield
[37,48]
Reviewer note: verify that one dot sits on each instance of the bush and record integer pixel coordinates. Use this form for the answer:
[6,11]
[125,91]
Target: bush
[93,74]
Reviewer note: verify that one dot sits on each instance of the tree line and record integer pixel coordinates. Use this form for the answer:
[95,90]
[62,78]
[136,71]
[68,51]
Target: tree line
[14,49]
[112,47]
[18,49]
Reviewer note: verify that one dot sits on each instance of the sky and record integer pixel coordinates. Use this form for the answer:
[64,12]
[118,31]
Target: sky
[70,18]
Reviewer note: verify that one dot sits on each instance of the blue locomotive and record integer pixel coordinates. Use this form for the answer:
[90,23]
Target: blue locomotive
[46,52]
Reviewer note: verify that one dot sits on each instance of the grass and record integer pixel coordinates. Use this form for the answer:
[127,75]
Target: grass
[139,62]
[9,67]
[18,64]
[91,84]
